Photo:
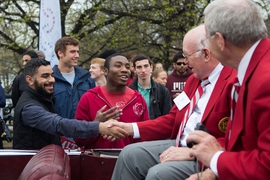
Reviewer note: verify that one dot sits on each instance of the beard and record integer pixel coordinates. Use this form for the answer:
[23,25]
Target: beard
[182,71]
[41,90]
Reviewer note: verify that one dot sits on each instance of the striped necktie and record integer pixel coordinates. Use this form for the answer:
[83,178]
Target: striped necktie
[234,96]
[199,92]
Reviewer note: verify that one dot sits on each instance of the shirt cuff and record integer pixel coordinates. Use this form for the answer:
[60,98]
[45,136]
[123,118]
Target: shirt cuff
[135,131]
[213,162]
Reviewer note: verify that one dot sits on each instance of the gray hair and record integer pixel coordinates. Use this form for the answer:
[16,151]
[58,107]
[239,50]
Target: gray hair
[200,38]
[240,22]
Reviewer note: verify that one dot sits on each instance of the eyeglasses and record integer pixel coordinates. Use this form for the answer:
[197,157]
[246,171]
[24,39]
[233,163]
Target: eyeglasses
[180,63]
[206,39]
[188,55]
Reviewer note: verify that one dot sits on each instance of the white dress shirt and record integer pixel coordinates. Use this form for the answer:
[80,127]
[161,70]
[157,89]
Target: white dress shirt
[197,114]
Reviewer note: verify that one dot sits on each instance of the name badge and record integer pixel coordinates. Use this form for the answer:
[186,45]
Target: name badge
[181,100]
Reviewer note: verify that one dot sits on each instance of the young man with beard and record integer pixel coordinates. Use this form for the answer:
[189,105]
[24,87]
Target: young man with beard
[177,79]
[157,96]
[113,93]
[35,122]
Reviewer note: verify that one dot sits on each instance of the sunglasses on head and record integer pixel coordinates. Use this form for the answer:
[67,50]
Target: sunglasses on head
[180,63]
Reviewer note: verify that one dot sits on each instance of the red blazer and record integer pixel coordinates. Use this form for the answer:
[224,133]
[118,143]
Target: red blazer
[250,130]
[217,110]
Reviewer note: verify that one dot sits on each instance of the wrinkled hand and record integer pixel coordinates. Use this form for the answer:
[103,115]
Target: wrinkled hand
[206,175]
[115,132]
[112,113]
[175,154]
[206,146]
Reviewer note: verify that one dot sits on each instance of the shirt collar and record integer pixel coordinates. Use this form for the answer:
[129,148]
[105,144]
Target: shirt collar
[215,74]
[139,86]
[242,68]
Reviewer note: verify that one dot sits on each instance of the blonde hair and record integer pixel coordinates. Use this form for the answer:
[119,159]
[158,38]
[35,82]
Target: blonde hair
[156,72]
[99,61]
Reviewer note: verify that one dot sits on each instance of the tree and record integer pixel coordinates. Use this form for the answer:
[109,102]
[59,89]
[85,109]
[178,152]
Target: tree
[154,27]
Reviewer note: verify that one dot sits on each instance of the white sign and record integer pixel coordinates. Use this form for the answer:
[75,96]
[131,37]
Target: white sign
[49,28]
[181,100]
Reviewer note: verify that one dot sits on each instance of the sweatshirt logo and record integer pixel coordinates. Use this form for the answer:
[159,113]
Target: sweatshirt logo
[178,86]
[120,104]
[138,109]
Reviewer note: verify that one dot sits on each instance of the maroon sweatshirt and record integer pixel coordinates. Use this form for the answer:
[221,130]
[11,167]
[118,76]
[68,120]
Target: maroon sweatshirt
[175,82]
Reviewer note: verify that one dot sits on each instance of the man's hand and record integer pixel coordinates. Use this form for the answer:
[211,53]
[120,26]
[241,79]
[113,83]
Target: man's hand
[112,113]
[206,146]
[175,154]
[115,132]
[126,126]
[175,95]
[206,175]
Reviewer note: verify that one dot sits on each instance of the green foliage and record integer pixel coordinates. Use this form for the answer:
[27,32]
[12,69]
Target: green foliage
[154,27]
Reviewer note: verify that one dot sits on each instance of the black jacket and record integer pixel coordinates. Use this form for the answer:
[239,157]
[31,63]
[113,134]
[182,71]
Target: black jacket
[160,100]
[18,86]
[26,137]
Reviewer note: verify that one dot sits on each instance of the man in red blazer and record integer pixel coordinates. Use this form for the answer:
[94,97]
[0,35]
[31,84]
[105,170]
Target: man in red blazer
[238,38]
[213,110]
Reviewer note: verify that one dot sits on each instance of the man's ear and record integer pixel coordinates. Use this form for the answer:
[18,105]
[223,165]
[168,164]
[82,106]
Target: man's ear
[206,53]
[60,53]
[30,80]
[221,41]
[105,70]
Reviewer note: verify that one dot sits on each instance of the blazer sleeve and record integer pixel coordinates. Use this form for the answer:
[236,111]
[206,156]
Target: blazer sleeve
[157,129]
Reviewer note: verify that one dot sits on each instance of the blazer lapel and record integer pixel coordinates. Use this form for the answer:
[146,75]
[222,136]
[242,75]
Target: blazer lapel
[217,91]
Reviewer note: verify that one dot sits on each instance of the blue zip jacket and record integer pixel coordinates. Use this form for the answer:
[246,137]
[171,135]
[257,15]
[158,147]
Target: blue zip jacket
[67,96]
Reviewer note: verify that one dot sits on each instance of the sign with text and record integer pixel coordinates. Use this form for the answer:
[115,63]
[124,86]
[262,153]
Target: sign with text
[49,28]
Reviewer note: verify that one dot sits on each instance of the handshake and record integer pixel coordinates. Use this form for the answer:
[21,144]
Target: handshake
[109,127]
[113,130]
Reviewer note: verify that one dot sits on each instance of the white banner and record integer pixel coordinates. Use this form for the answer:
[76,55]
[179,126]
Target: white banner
[49,28]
